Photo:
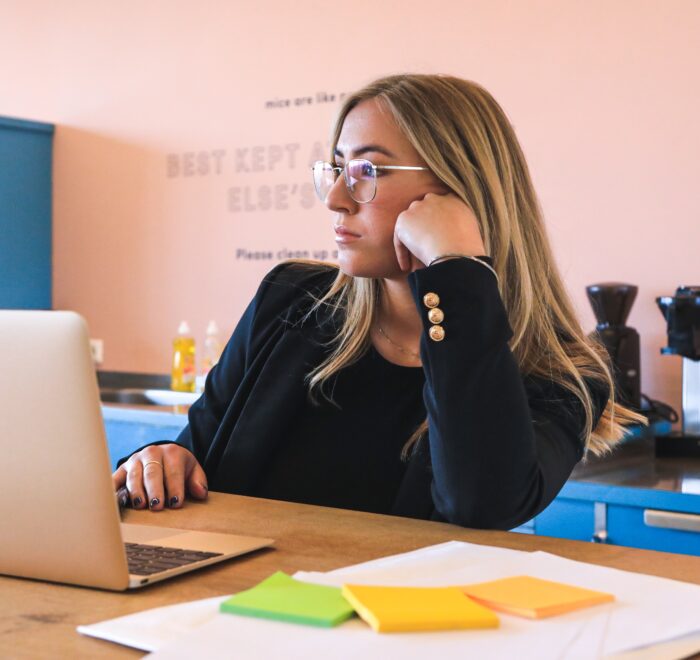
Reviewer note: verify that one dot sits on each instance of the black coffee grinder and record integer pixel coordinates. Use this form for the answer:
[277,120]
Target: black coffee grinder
[682,314]
[612,302]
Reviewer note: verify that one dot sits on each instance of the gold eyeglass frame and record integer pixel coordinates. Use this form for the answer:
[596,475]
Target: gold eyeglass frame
[338,170]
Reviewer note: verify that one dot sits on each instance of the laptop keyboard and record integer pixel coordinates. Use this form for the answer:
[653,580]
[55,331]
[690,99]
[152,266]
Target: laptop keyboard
[150,559]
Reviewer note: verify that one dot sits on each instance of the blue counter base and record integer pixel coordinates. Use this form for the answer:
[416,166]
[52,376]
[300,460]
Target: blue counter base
[605,499]
[128,429]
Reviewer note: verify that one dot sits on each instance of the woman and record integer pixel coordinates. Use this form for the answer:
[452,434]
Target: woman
[421,377]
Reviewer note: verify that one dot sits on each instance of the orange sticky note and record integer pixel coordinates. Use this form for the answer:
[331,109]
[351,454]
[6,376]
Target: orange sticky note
[533,597]
[403,609]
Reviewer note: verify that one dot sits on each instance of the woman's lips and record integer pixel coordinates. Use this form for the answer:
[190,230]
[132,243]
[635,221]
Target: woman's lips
[344,235]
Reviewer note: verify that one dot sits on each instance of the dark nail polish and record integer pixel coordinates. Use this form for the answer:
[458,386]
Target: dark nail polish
[137,501]
[174,500]
[155,502]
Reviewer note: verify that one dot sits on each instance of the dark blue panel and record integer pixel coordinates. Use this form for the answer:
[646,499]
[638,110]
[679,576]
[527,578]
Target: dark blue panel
[25,214]
[626,526]
[567,519]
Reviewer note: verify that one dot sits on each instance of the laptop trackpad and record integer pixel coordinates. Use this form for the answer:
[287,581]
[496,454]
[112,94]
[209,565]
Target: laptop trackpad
[146,533]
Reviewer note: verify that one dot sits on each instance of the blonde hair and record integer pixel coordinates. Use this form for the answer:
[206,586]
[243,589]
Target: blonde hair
[466,140]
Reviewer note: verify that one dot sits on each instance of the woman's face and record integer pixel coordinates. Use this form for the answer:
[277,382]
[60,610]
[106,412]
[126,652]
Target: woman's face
[365,232]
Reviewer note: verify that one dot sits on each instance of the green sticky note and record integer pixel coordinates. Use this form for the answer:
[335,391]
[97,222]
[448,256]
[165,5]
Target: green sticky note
[283,598]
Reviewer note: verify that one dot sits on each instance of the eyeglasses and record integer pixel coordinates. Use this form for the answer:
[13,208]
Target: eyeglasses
[360,178]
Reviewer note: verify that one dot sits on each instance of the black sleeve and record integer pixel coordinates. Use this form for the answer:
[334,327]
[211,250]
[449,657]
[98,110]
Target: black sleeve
[282,294]
[206,413]
[501,446]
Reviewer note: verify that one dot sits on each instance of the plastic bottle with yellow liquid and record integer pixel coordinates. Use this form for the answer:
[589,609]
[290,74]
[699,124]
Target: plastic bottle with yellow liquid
[183,372]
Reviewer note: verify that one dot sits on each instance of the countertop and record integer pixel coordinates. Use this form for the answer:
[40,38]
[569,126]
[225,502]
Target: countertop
[634,465]
[40,618]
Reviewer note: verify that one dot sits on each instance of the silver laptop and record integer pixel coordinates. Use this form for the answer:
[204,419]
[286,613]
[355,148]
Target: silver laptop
[59,518]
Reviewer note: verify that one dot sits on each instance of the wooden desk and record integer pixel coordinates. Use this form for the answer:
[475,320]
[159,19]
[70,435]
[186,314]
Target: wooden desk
[39,619]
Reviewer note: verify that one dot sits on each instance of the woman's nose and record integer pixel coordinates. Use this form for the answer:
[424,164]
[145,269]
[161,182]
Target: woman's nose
[338,198]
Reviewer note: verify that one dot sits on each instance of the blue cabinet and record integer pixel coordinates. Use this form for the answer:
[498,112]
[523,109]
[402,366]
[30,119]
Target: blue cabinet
[631,498]
[25,214]
[128,429]
[567,518]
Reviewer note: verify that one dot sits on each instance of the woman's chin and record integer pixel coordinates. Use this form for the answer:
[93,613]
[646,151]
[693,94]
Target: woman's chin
[356,266]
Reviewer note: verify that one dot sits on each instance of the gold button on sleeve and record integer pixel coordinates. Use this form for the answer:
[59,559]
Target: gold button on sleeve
[431,299]
[437,333]
[436,315]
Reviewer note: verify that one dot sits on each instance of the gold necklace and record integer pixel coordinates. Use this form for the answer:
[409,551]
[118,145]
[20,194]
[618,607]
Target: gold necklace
[405,351]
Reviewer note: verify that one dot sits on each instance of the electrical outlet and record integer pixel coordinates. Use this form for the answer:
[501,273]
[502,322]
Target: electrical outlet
[97,350]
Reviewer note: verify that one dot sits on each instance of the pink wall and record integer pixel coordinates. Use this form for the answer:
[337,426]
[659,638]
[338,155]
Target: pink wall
[605,97]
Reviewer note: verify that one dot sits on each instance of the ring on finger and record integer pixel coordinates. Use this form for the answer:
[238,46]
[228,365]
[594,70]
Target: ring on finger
[147,463]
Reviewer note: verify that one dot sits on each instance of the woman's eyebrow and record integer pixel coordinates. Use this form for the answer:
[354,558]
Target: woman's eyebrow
[366,149]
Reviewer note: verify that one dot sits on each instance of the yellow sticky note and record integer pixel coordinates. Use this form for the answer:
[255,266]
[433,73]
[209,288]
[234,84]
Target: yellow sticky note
[533,597]
[402,609]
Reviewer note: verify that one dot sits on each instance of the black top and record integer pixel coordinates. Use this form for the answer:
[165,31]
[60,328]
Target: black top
[347,453]
[500,444]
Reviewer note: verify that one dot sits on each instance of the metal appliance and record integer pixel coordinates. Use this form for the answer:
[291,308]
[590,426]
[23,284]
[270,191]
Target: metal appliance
[682,314]
[612,302]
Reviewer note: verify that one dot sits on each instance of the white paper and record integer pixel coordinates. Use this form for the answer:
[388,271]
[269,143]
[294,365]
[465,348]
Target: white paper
[647,612]
[235,637]
[151,629]
[443,552]
[246,638]
[398,568]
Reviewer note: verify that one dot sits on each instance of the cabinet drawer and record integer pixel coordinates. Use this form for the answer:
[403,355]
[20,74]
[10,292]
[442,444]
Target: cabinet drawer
[654,529]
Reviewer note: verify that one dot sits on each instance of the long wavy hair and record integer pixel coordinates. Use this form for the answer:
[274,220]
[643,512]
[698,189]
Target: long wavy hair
[467,141]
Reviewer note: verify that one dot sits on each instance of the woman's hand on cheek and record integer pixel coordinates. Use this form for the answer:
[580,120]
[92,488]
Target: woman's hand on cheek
[435,225]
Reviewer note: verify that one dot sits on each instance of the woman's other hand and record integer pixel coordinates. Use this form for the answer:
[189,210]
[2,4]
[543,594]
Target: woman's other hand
[435,225]
[161,475]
